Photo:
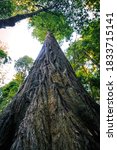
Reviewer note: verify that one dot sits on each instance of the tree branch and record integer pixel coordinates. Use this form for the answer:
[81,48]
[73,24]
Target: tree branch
[12,20]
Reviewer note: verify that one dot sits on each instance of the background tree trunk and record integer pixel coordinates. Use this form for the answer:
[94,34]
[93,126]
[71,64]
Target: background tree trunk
[51,111]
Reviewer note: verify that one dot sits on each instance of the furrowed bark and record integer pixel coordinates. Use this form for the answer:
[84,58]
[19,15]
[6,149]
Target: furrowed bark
[52,110]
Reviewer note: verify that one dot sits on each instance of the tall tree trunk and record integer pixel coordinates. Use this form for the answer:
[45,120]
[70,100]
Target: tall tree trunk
[51,111]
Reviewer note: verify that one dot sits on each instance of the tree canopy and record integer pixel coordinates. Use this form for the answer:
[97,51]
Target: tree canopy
[84,56]
[54,22]
[7,8]
[23,65]
[75,11]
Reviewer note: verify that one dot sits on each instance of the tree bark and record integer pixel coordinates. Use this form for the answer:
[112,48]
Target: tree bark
[52,110]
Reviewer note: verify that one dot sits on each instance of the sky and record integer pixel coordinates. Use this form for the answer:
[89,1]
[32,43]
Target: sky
[20,42]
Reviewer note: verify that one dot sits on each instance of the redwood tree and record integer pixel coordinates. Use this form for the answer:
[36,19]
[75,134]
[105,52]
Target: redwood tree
[52,110]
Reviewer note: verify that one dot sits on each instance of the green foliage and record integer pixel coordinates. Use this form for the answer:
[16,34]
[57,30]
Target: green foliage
[4,58]
[54,22]
[2,54]
[93,4]
[76,12]
[19,78]
[62,16]
[91,36]
[24,6]
[23,65]
[6,8]
[7,93]
[84,56]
